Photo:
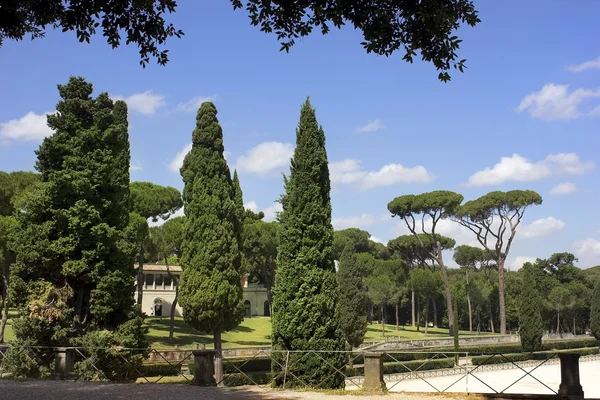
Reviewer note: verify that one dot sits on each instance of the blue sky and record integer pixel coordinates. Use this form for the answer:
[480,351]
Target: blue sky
[525,115]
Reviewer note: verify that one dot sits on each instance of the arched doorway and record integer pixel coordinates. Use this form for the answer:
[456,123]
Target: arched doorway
[267,309]
[158,305]
[248,308]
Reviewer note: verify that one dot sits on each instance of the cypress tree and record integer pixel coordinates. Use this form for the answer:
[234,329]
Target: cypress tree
[530,317]
[353,299]
[74,232]
[595,312]
[305,296]
[210,290]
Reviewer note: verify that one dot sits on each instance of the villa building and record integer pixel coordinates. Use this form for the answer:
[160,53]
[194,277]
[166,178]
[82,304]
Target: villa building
[159,292]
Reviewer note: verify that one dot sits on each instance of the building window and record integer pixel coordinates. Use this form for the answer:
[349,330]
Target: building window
[158,303]
[149,280]
[248,308]
[267,309]
[167,281]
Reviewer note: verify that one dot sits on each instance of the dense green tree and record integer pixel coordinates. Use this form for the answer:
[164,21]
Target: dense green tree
[305,296]
[387,26]
[210,289]
[381,291]
[73,226]
[559,299]
[11,185]
[260,250]
[149,200]
[7,258]
[530,319]
[494,218]
[469,258]
[432,206]
[595,312]
[359,239]
[167,240]
[579,304]
[425,283]
[353,299]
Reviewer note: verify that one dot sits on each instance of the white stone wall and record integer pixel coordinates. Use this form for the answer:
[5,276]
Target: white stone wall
[153,292]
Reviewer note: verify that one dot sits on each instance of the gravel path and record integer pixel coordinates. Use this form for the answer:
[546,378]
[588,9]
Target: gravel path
[47,390]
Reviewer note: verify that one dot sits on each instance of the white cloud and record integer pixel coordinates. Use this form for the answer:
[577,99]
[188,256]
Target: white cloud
[136,166]
[592,64]
[378,240]
[371,126]
[31,126]
[353,222]
[265,158]
[271,211]
[193,104]
[554,102]
[346,171]
[160,221]
[177,161]
[146,103]
[564,188]
[519,169]
[349,171]
[392,174]
[588,252]
[251,205]
[517,262]
[541,227]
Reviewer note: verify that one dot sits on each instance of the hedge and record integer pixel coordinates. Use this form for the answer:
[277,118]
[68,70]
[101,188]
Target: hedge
[515,348]
[261,378]
[160,369]
[233,366]
[487,360]
[399,367]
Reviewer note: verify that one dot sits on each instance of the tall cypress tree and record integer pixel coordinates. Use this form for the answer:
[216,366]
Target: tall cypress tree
[595,312]
[305,312]
[74,230]
[210,290]
[353,298]
[530,317]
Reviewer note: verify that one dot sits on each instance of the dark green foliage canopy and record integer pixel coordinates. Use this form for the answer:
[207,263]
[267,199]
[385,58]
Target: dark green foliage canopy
[142,21]
[305,296]
[358,238]
[353,300]
[436,204]
[530,318]
[167,239]
[260,249]
[495,203]
[73,228]
[595,312]
[210,290]
[154,201]
[387,26]
[13,184]
[416,250]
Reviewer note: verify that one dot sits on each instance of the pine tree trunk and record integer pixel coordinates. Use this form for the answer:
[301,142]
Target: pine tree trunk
[412,303]
[382,322]
[491,317]
[173,309]
[418,315]
[397,318]
[558,321]
[270,300]
[5,305]
[501,297]
[448,298]
[574,326]
[370,313]
[140,278]
[469,303]
[426,316]
[435,313]
[218,357]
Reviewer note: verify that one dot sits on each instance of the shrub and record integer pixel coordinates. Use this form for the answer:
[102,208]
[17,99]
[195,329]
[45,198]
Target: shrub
[160,369]
[261,378]
[22,362]
[408,366]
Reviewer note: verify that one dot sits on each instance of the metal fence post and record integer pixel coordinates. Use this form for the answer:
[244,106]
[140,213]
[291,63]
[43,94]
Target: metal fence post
[570,386]
[287,359]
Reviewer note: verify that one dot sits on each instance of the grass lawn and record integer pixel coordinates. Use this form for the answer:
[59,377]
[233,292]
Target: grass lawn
[9,334]
[374,333]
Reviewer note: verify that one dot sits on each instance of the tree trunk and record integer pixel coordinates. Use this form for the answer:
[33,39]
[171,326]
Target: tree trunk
[573,327]
[174,303]
[418,315]
[270,300]
[448,297]
[426,316]
[558,321]
[140,278]
[382,322]
[5,306]
[469,303]
[435,313]
[370,313]
[501,298]
[397,318]
[491,317]
[412,303]
[218,357]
